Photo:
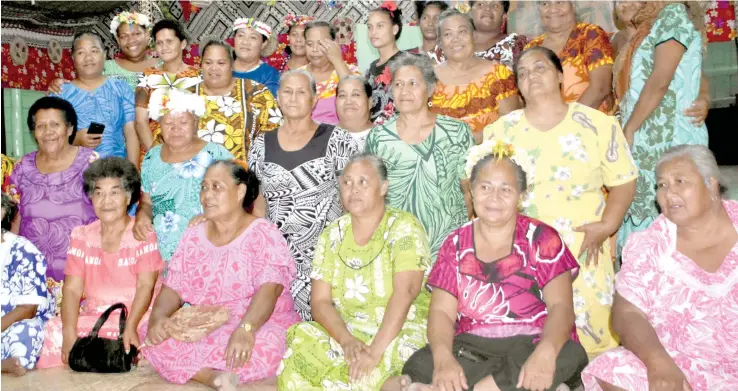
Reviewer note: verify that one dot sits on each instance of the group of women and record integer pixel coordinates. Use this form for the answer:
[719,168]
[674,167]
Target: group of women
[317,220]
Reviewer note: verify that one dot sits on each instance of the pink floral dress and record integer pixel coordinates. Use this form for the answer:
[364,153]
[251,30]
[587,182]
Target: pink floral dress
[229,275]
[694,313]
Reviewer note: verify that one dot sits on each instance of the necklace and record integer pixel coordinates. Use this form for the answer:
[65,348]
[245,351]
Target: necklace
[358,265]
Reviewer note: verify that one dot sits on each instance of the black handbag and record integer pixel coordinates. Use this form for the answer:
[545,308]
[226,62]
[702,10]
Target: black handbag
[103,355]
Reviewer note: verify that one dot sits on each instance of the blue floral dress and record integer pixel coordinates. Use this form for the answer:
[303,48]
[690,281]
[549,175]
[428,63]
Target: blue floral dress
[24,283]
[175,192]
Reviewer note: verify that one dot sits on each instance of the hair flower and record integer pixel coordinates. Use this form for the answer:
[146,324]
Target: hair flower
[128,18]
[500,150]
[390,6]
[293,20]
[172,100]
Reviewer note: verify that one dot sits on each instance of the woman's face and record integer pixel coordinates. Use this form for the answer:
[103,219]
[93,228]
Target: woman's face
[681,191]
[133,39]
[457,38]
[381,30]
[178,129]
[295,97]
[297,40]
[219,194]
[110,200]
[488,15]
[88,57]
[409,90]
[216,67]
[168,46]
[626,10]
[313,37]
[537,76]
[495,192]
[351,101]
[52,131]
[248,44]
[557,15]
[362,190]
[428,22]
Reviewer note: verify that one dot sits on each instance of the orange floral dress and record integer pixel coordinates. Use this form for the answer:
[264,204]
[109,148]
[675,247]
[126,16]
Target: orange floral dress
[588,48]
[475,103]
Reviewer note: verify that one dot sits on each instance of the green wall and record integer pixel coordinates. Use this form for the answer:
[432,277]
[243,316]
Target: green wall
[16,104]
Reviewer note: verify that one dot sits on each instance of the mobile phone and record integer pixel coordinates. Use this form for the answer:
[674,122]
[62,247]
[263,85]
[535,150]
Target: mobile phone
[95,128]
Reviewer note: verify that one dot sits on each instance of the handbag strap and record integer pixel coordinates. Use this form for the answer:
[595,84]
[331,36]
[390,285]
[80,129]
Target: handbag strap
[104,318]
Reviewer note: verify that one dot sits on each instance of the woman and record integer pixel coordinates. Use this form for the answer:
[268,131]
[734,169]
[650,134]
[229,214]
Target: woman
[660,77]
[171,173]
[105,265]
[470,88]
[48,184]
[625,12]
[584,52]
[99,99]
[238,110]
[295,51]
[675,308]
[250,345]
[326,65]
[500,319]
[368,303]
[574,151]
[353,104]
[170,41]
[25,304]
[428,13]
[254,40]
[424,152]
[491,40]
[384,27]
[298,165]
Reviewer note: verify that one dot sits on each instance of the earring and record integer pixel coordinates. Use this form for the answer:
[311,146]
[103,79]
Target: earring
[503,27]
[430,104]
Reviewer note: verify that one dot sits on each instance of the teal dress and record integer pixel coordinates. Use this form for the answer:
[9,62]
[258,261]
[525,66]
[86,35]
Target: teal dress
[114,71]
[175,191]
[667,126]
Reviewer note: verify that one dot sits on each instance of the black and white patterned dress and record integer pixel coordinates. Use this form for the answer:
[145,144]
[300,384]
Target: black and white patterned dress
[301,193]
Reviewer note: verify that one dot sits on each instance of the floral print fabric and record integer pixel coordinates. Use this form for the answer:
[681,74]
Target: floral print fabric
[504,52]
[361,280]
[694,312]
[7,169]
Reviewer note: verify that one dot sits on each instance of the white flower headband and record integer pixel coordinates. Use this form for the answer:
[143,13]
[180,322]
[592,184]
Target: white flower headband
[129,18]
[168,100]
[500,150]
[260,27]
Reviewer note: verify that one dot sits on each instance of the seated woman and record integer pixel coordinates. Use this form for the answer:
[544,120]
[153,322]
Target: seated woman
[501,315]
[25,304]
[368,303]
[675,304]
[105,264]
[353,105]
[470,88]
[255,289]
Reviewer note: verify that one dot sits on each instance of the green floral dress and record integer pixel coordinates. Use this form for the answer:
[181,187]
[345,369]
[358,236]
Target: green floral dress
[361,285]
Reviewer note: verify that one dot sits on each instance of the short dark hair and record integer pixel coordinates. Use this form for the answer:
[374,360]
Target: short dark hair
[321,23]
[243,176]
[169,24]
[11,209]
[421,6]
[92,34]
[113,168]
[56,103]
[395,17]
[361,79]
[505,4]
[550,55]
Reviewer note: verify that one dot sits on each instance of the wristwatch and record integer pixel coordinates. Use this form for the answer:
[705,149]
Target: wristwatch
[246,326]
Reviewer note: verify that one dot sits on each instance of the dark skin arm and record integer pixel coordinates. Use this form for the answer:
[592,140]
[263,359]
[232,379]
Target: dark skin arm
[144,218]
[600,86]
[447,373]
[321,303]
[145,283]
[167,302]
[20,312]
[72,294]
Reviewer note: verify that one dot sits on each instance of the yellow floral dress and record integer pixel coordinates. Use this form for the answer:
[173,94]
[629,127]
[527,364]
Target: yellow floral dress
[569,165]
[7,166]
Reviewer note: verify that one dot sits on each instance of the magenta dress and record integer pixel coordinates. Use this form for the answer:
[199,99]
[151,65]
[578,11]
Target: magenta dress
[229,275]
[51,205]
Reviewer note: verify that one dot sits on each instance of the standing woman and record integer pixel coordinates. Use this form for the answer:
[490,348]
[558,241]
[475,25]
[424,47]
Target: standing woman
[384,28]
[428,13]
[353,102]
[573,151]
[253,41]
[659,79]
[295,52]
[424,152]
[298,166]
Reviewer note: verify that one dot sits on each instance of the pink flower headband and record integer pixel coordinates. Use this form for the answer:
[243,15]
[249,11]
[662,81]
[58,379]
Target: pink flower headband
[390,6]
[292,20]
[260,27]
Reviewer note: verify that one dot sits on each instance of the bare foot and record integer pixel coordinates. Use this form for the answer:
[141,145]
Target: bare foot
[226,381]
[13,366]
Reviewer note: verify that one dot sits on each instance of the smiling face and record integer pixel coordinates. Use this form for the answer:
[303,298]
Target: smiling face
[409,90]
[495,192]
[313,37]
[557,15]
[88,57]
[380,29]
[351,100]
[457,38]
[362,190]
[178,129]
[248,44]
[488,15]
[51,131]
[133,39]
[168,46]
[295,97]
[626,10]
[297,40]
[681,191]
[216,67]
[428,22]
[537,76]
[110,200]
[220,196]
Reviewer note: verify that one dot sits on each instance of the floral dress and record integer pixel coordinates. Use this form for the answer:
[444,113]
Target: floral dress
[380,78]
[505,52]
[175,191]
[361,280]
[24,276]
[7,166]
[325,109]
[569,164]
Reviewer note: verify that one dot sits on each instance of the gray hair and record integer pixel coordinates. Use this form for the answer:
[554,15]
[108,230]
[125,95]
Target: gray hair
[420,61]
[375,161]
[520,176]
[92,34]
[10,209]
[216,42]
[114,168]
[450,13]
[302,72]
[702,158]
[361,79]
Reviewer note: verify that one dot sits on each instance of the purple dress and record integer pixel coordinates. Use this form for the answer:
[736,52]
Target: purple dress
[51,205]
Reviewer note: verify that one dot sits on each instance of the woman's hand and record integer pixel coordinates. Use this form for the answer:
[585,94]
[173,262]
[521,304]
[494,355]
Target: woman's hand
[240,346]
[665,375]
[157,332]
[142,227]
[199,219]
[594,235]
[364,365]
[698,111]
[68,340]
[352,349]
[130,337]
[84,139]
[55,87]
[449,376]
[537,373]
[331,50]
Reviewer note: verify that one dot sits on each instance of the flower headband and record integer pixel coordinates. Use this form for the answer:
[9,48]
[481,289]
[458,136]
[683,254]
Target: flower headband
[390,6]
[172,100]
[128,18]
[500,150]
[260,27]
[292,20]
